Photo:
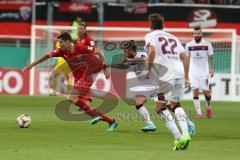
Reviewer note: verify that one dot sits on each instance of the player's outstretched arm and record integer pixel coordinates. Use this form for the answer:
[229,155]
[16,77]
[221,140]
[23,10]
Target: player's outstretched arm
[39,60]
[185,60]
[141,59]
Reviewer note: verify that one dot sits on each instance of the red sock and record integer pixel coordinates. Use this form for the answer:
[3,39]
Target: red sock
[106,119]
[88,109]
[92,112]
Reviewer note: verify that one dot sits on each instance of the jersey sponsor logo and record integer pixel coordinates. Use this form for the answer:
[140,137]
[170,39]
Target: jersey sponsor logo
[197,48]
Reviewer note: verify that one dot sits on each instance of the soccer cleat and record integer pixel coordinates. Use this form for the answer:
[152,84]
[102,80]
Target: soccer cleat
[191,127]
[95,120]
[209,112]
[185,140]
[199,116]
[112,126]
[182,144]
[177,145]
[149,128]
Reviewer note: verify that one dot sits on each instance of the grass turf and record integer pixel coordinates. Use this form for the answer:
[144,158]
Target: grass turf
[50,138]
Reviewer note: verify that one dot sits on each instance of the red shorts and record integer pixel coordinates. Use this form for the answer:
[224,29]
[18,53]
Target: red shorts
[83,87]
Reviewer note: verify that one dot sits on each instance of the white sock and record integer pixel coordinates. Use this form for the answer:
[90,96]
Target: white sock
[145,115]
[170,123]
[182,120]
[197,105]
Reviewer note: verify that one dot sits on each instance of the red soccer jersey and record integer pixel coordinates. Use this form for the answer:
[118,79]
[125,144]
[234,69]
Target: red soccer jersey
[85,41]
[81,61]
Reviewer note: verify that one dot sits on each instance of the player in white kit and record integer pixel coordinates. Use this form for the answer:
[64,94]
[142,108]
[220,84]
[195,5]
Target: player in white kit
[137,61]
[200,51]
[165,49]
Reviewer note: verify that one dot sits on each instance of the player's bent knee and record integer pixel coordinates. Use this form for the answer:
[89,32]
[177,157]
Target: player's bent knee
[73,98]
[160,109]
[207,93]
[195,92]
[173,106]
[208,97]
[140,99]
[138,103]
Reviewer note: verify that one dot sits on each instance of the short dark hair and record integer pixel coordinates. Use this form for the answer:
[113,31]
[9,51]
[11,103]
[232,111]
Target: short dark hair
[65,36]
[130,45]
[197,28]
[156,21]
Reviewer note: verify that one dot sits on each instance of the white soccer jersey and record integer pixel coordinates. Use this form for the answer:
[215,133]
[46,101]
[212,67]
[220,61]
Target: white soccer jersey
[168,49]
[199,53]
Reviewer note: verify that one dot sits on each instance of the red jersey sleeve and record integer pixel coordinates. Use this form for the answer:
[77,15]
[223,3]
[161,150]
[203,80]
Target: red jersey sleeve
[56,53]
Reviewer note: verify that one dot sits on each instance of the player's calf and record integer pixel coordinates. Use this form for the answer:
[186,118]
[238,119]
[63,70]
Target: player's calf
[208,106]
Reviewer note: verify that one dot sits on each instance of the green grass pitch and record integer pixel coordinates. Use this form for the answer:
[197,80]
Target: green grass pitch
[49,138]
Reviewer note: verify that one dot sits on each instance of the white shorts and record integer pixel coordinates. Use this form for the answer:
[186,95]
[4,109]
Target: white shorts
[199,82]
[173,89]
[139,85]
[142,86]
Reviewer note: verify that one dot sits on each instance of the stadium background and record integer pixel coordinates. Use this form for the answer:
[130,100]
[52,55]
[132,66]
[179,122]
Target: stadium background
[52,138]
[16,19]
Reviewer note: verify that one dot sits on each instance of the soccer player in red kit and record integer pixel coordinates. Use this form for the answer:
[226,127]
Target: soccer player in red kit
[84,39]
[83,65]
[86,42]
